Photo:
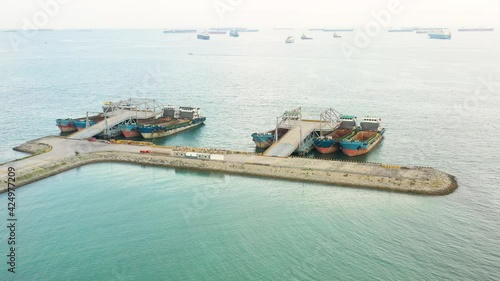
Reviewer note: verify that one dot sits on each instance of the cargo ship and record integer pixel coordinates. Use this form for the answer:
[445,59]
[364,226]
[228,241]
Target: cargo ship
[188,117]
[338,29]
[365,139]
[203,36]
[265,140]
[477,29]
[130,128]
[439,34]
[217,32]
[404,29]
[234,33]
[331,142]
[180,31]
[75,124]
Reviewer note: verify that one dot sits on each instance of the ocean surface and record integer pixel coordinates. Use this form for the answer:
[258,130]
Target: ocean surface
[438,100]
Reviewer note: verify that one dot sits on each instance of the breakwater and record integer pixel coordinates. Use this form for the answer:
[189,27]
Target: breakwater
[417,180]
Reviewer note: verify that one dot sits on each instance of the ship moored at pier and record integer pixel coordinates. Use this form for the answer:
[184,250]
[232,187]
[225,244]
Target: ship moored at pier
[178,120]
[369,135]
[133,118]
[331,142]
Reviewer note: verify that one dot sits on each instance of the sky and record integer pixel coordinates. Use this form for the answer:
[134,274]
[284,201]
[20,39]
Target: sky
[69,14]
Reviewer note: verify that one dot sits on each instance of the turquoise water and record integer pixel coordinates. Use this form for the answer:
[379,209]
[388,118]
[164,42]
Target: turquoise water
[125,222]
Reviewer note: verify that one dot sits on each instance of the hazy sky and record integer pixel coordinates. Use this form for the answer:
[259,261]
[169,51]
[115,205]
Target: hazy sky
[16,14]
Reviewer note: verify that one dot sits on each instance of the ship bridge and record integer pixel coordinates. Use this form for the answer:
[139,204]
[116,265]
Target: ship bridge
[118,112]
[300,132]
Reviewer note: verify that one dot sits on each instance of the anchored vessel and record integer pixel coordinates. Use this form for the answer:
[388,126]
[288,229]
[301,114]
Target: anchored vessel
[179,31]
[331,142]
[203,36]
[439,34]
[179,119]
[365,139]
[304,37]
[217,31]
[234,33]
[477,29]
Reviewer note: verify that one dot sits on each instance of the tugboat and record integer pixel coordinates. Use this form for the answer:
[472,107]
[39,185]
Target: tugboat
[234,33]
[304,37]
[364,140]
[289,39]
[335,35]
[203,36]
[331,142]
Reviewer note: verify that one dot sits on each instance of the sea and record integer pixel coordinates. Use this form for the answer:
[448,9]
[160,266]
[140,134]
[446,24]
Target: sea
[438,99]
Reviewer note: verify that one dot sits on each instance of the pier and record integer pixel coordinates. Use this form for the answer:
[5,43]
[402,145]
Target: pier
[54,155]
[119,112]
[300,132]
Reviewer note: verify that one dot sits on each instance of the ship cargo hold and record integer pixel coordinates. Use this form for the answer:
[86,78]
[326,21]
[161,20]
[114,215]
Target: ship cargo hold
[365,139]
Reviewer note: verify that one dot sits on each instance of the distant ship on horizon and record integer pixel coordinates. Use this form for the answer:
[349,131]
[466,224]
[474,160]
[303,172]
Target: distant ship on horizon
[440,34]
[203,36]
[180,31]
[477,29]
[403,29]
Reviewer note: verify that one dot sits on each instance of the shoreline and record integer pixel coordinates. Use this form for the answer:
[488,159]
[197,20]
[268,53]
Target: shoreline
[414,180]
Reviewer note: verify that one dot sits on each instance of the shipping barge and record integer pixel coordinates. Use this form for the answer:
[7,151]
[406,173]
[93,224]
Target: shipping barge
[69,125]
[331,142]
[365,139]
[133,118]
[179,120]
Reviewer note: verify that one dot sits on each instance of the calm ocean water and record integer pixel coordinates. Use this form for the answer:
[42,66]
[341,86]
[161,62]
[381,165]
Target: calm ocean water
[438,99]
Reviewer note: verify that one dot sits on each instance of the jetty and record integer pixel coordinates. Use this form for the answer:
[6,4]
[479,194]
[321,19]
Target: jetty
[53,155]
[118,112]
[299,137]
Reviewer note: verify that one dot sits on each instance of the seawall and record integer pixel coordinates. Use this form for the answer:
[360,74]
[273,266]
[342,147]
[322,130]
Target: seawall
[417,180]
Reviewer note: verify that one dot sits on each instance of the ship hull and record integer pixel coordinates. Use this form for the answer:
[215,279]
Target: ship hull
[130,131]
[67,129]
[147,133]
[476,29]
[261,144]
[263,140]
[327,150]
[331,144]
[131,134]
[66,125]
[354,147]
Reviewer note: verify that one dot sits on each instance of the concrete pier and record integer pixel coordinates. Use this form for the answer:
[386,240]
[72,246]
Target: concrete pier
[65,154]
